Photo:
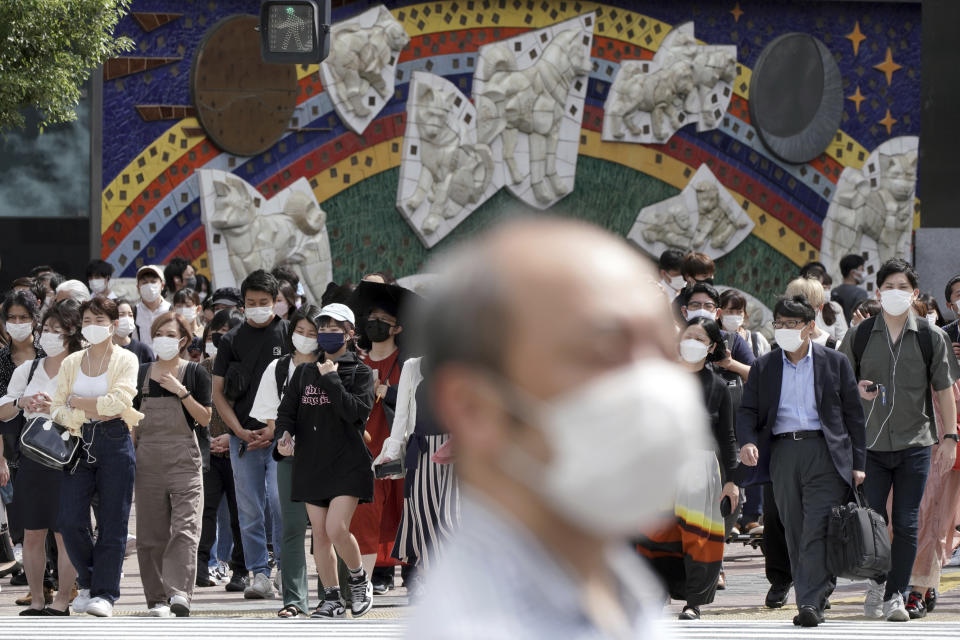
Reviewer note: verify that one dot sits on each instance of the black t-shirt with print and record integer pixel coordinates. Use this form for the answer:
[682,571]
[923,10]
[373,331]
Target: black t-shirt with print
[262,345]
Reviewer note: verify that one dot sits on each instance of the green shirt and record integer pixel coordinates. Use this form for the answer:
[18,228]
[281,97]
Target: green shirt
[906,420]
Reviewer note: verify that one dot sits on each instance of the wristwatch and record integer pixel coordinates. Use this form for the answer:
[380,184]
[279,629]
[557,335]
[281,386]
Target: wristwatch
[185,396]
[953,436]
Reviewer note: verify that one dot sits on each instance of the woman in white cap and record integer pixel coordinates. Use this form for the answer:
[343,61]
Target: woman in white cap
[325,408]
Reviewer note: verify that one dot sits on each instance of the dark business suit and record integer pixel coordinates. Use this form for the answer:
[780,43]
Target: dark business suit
[809,476]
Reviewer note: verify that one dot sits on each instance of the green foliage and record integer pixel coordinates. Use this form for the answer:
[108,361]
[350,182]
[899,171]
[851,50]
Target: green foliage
[48,49]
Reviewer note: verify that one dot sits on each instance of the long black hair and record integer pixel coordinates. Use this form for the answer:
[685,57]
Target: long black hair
[712,329]
[308,312]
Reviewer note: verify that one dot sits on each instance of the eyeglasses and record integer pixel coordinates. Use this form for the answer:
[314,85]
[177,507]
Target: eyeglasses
[788,324]
[694,306]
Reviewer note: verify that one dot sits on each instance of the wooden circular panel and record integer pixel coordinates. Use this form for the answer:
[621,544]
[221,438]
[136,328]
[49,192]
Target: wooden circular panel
[243,103]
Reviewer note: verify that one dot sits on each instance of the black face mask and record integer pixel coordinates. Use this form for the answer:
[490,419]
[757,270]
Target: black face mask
[190,283]
[377,330]
[215,339]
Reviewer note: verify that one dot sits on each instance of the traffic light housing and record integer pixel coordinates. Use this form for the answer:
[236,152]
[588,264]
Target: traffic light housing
[295,31]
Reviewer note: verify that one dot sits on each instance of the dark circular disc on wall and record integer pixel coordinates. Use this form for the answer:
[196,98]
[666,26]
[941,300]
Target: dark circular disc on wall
[243,104]
[796,97]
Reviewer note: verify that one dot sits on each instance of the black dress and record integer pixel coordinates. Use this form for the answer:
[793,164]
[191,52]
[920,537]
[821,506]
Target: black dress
[327,415]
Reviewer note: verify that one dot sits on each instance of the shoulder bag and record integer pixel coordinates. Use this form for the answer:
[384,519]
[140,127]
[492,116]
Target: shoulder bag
[48,443]
[858,544]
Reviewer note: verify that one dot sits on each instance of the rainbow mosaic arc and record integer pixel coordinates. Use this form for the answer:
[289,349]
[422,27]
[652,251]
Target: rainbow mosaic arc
[151,207]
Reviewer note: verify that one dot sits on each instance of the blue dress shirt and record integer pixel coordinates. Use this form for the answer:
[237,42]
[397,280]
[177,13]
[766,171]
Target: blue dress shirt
[798,398]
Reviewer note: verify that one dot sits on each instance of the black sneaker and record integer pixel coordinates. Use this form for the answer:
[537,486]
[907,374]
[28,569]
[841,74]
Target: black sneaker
[237,584]
[689,613]
[930,599]
[332,605]
[808,617]
[916,607]
[18,579]
[205,581]
[361,595]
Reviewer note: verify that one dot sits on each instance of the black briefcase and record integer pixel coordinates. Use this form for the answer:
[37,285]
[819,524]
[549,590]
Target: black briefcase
[858,545]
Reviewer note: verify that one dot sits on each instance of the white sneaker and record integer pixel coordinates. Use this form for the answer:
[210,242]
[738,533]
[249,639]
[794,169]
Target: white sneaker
[81,602]
[160,611]
[955,559]
[100,608]
[180,606]
[893,609]
[18,553]
[260,588]
[873,602]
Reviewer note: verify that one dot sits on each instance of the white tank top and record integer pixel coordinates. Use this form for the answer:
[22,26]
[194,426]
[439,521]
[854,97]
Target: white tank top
[87,387]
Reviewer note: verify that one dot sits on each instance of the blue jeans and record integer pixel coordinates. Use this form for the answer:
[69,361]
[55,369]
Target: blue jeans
[906,472]
[224,542]
[255,481]
[107,466]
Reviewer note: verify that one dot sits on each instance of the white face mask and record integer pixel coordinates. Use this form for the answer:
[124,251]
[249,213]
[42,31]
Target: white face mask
[97,284]
[617,433]
[789,339]
[676,283]
[281,308]
[700,313]
[166,348]
[732,322]
[96,333]
[304,345]
[125,326]
[150,292]
[203,295]
[896,302]
[932,318]
[211,349]
[19,332]
[189,313]
[258,315]
[693,351]
[52,343]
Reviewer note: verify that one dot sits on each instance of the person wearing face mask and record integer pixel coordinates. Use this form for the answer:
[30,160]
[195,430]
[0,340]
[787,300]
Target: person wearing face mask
[321,421]
[702,301]
[242,356]
[174,397]
[850,292]
[94,401]
[375,525]
[671,275]
[801,424]
[695,268]
[830,316]
[186,302]
[559,386]
[304,349]
[951,294]
[911,359]
[126,327]
[37,499]
[179,274]
[932,312]
[812,290]
[218,481]
[152,304]
[286,302]
[734,317]
[688,553]
[99,274]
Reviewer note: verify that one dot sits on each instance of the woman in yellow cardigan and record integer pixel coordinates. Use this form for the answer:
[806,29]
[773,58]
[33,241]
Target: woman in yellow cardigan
[94,400]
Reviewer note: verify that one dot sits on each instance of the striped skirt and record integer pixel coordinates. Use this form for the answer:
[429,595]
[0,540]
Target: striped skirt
[687,551]
[431,510]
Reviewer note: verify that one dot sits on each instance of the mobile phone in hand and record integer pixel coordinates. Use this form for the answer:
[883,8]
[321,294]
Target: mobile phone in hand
[726,507]
[243,449]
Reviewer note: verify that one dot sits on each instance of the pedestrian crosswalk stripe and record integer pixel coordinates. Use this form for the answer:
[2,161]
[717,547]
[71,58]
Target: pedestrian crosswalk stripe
[835,630]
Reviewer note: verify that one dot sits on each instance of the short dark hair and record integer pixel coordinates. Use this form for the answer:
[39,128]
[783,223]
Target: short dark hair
[850,262]
[99,269]
[897,265]
[67,313]
[795,307]
[814,266]
[186,296]
[733,299]
[175,269]
[55,280]
[123,301]
[697,264]
[869,307]
[948,291]
[229,318]
[24,299]
[284,273]
[260,280]
[182,328]
[101,306]
[702,287]
[671,260]
[40,268]
[712,330]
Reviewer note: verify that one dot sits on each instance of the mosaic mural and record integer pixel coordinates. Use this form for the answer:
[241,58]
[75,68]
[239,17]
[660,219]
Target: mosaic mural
[154,147]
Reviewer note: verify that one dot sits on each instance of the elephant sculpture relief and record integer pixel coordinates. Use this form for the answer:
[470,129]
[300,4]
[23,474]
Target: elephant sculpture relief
[512,102]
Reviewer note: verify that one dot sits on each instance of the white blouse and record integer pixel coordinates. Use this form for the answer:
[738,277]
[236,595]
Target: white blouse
[267,400]
[18,386]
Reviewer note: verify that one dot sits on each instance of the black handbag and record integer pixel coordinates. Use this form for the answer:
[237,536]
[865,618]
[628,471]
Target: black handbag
[858,545]
[48,443]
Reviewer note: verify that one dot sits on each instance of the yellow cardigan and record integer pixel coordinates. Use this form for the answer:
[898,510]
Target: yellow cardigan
[121,389]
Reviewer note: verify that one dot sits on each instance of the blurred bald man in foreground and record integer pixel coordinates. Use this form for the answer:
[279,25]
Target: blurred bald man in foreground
[550,358]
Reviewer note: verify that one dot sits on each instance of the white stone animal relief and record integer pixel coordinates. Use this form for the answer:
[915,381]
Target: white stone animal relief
[246,232]
[685,83]
[704,217]
[360,72]
[872,210]
[445,173]
[529,93]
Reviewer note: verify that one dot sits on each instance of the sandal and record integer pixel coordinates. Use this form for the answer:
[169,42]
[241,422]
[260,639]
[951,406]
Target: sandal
[290,611]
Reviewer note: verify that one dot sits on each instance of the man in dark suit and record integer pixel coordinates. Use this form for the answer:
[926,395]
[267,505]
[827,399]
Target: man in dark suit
[801,420]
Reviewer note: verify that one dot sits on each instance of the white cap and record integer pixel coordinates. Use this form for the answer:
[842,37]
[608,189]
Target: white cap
[157,270]
[338,311]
